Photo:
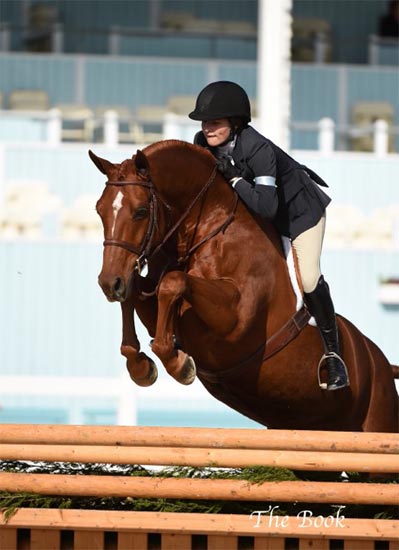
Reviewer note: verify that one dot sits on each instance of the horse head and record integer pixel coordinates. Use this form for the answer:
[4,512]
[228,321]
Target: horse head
[129,208]
[135,212]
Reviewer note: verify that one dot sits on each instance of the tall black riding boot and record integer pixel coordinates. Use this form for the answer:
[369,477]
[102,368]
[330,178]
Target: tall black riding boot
[321,307]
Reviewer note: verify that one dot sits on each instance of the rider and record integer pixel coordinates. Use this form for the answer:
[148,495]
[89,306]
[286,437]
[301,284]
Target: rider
[275,186]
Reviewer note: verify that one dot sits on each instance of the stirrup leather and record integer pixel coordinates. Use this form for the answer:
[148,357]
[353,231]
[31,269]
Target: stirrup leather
[324,357]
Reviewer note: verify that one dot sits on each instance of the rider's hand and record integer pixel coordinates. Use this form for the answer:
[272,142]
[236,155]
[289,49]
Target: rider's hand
[228,170]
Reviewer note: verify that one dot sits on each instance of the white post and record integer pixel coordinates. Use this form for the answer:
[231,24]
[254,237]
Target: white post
[373,50]
[24,12]
[396,233]
[127,403]
[111,128]
[75,415]
[380,137]
[326,135]
[57,38]
[155,13]
[320,47]
[170,129]
[114,41]
[80,78]
[54,127]
[2,172]
[4,37]
[274,52]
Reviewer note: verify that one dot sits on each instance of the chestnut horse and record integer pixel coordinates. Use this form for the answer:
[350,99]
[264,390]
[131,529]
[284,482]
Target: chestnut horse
[221,287]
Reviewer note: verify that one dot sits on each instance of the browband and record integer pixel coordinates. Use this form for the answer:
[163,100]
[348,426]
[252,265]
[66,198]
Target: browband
[135,182]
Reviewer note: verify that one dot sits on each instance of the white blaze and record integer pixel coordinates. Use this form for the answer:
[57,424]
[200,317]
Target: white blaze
[116,206]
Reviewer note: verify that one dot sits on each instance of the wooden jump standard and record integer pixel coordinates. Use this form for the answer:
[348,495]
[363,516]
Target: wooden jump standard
[94,529]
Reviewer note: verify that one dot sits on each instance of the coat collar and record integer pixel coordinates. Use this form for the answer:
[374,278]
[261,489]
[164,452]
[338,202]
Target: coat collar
[238,152]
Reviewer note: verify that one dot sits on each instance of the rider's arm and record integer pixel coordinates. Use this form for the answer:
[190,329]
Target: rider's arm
[261,195]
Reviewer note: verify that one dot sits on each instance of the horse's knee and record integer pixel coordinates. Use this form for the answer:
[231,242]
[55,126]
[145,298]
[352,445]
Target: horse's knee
[173,284]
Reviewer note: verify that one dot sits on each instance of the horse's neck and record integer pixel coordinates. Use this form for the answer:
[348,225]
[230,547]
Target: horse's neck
[186,182]
[209,214]
[179,172]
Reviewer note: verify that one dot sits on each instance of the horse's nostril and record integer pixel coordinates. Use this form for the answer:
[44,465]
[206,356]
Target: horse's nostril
[118,287]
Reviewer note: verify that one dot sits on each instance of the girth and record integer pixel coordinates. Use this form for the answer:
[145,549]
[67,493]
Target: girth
[270,347]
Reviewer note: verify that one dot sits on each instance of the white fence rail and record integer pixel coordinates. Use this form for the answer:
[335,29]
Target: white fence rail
[47,127]
[41,386]
[165,396]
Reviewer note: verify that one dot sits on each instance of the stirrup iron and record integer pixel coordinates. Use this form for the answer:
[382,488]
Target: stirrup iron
[324,385]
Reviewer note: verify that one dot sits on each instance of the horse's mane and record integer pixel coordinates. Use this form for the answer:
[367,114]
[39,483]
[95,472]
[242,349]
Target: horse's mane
[168,145]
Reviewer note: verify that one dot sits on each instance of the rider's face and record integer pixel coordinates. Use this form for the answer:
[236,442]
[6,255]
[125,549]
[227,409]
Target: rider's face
[216,132]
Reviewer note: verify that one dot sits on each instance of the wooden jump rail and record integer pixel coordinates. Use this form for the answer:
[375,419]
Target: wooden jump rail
[290,440]
[300,450]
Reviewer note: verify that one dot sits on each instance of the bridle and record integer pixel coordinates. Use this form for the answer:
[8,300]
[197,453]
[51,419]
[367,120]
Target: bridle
[145,251]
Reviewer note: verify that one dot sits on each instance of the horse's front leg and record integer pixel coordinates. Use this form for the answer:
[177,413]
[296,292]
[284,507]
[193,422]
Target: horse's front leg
[215,303]
[141,368]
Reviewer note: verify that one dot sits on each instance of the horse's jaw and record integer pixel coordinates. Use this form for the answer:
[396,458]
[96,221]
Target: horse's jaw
[113,300]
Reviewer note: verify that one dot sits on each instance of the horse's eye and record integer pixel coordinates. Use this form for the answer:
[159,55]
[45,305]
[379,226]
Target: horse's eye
[140,213]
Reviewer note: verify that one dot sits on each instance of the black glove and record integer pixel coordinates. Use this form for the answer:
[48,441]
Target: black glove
[228,170]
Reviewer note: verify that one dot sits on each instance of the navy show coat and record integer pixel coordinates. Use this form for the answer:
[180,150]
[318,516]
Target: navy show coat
[296,203]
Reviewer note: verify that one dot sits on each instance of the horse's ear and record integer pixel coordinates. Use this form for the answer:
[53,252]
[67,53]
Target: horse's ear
[141,163]
[102,164]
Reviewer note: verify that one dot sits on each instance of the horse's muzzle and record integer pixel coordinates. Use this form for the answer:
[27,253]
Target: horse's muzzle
[115,290]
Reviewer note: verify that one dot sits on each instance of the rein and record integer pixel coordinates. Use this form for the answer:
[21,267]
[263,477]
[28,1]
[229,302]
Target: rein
[212,234]
[187,212]
[144,252]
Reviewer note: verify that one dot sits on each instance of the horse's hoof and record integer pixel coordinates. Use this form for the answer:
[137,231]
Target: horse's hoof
[151,377]
[188,372]
[142,370]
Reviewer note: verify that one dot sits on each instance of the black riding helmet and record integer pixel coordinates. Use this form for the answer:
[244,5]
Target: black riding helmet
[222,99]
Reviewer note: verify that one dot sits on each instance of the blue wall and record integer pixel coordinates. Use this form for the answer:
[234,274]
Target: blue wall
[316,91]
[141,82]
[362,180]
[55,75]
[333,91]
